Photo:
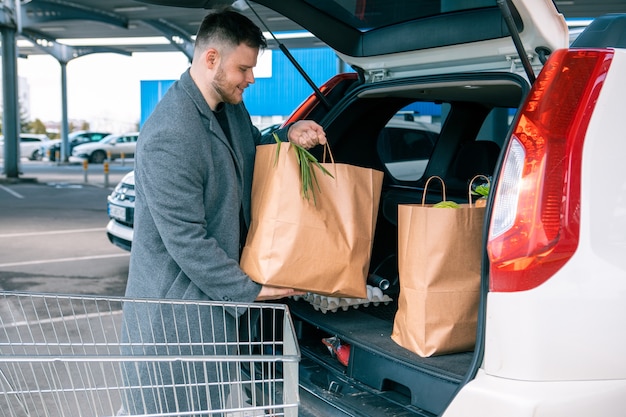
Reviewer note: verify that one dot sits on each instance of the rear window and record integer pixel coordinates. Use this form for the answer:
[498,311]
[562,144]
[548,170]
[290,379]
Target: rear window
[371,14]
[408,139]
[406,143]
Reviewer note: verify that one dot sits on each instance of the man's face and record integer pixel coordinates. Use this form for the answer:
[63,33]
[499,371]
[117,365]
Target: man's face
[234,73]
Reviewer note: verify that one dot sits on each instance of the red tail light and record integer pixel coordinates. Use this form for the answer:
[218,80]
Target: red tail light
[536,220]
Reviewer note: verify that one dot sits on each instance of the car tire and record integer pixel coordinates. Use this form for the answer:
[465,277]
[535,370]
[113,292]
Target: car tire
[35,155]
[98,157]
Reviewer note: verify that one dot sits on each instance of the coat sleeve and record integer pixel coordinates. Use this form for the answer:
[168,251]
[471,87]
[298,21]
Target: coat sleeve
[269,138]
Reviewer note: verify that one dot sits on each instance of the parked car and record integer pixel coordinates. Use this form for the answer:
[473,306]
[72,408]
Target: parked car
[269,129]
[121,211]
[30,144]
[111,147]
[50,150]
[552,296]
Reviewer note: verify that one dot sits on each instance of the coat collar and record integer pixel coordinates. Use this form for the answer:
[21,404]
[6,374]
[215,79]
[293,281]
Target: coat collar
[196,96]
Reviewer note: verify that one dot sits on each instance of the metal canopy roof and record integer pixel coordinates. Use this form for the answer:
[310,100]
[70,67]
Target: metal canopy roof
[106,22]
[108,19]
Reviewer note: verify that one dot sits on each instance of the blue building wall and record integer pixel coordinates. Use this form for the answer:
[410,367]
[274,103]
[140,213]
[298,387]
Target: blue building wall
[286,89]
[151,93]
[281,93]
[278,95]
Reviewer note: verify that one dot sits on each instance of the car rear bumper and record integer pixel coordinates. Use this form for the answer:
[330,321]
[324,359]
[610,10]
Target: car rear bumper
[489,396]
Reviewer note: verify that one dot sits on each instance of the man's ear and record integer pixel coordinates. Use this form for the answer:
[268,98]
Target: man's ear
[211,58]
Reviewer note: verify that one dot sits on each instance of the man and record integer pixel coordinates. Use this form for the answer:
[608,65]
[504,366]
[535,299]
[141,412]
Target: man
[193,180]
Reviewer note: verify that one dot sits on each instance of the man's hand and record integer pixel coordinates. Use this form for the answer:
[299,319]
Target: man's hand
[307,134]
[275,293]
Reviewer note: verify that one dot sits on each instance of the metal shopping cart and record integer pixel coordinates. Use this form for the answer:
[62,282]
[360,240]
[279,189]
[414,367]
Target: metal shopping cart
[74,356]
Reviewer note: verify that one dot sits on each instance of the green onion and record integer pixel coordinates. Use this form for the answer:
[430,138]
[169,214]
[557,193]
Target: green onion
[306,162]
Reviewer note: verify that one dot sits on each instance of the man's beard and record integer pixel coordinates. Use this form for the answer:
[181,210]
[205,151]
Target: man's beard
[219,81]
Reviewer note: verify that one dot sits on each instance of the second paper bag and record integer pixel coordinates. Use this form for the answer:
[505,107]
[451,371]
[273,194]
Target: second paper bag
[439,264]
[321,244]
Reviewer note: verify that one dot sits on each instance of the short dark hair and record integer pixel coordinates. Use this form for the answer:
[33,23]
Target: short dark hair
[229,27]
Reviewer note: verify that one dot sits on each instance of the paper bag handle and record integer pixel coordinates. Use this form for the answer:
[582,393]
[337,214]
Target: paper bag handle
[443,188]
[469,189]
[330,154]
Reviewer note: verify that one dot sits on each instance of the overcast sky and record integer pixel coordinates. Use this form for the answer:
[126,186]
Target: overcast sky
[101,88]
[104,89]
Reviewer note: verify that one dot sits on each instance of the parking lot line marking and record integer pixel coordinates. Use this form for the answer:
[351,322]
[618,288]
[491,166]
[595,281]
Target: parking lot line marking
[75,259]
[53,232]
[52,320]
[10,191]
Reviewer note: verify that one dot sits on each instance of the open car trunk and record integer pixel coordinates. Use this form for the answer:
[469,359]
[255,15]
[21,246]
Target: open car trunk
[464,68]
[472,113]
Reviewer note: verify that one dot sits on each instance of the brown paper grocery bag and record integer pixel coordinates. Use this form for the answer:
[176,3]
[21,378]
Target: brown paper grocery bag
[439,261]
[321,245]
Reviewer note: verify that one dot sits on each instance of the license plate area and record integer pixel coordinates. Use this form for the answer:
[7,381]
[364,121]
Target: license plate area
[117,212]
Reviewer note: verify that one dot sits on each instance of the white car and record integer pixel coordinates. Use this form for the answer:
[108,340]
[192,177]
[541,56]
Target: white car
[50,150]
[110,147]
[121,210]
[545,120]
[30,144]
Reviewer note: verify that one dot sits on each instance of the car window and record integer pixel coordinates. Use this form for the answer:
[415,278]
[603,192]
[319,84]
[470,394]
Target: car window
[407,141]
[496,125]
[95,137]
[406,145]
[126,139]
[376,14]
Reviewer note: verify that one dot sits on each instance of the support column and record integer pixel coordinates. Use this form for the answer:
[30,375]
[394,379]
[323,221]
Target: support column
[10,121]
[65,146]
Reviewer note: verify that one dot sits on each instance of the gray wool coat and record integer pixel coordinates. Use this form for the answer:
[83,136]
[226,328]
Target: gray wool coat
[191,184]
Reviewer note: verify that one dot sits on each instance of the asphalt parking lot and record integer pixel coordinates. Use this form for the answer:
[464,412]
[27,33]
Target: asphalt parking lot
[52,230]
[53,240]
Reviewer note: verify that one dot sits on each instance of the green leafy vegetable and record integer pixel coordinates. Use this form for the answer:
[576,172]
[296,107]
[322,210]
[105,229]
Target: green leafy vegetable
[482,189]
[307,162]
[446,204]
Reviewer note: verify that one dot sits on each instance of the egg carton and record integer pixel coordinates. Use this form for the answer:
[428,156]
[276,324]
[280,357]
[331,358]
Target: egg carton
[324,303]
